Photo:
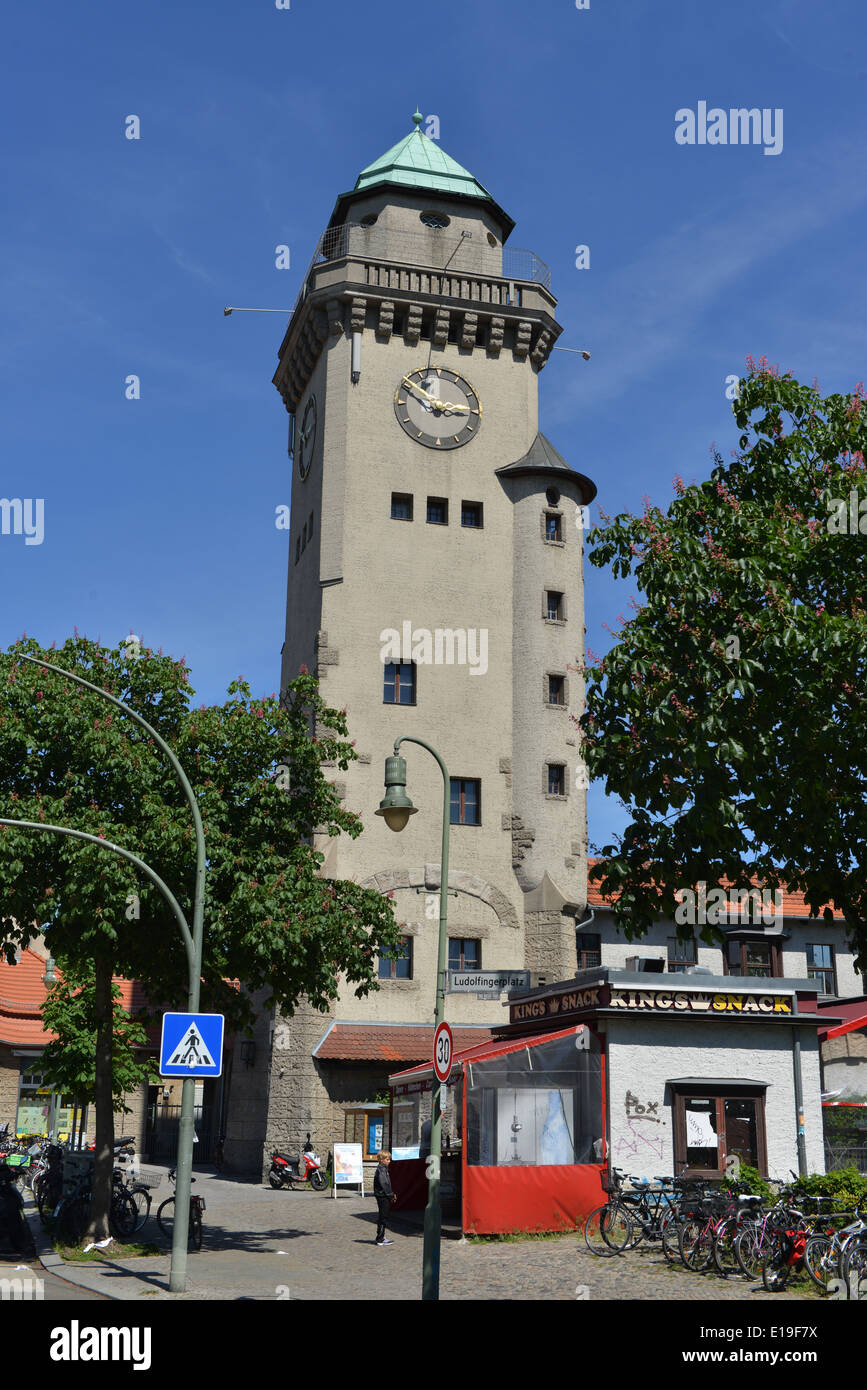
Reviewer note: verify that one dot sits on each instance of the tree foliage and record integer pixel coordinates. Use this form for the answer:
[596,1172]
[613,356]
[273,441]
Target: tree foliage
[258,768]
[730,715]
[69,1063]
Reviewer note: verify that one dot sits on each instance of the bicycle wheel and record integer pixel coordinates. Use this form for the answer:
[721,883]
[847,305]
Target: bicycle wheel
[749,1248]
[724,1259]
[671,1240]
[166,1216]
[123,1214]
[775,1265]
[607,1231]
[853,1268]
[820,1258]
[142,1198]
[194,1239]
[696,1244]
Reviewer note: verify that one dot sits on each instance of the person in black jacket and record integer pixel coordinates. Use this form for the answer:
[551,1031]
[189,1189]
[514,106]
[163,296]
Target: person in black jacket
[382,1191]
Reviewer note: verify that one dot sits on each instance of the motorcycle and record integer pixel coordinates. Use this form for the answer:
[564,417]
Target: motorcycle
[288,1170]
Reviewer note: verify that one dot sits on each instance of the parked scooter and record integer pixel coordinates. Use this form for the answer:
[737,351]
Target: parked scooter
[289,1170]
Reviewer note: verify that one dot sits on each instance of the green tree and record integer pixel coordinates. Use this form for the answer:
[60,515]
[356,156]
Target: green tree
[729,716]
[258,768]
[69,1063]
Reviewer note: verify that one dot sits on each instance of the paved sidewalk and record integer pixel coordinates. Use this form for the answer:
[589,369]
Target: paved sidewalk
[259,1244]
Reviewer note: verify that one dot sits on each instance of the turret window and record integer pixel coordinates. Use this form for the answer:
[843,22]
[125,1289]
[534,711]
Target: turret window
[556,690]
[556,779]
[435,220]
[553,523]
[438,511]
[471,514]
[554,606]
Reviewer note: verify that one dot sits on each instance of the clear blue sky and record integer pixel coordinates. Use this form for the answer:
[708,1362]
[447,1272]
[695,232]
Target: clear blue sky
[117,256]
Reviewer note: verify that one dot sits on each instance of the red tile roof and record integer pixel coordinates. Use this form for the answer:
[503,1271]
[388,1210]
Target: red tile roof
[22,995]
[388,1042]
[794,904]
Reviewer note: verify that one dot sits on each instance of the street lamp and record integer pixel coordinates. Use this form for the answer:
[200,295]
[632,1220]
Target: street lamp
[396,809]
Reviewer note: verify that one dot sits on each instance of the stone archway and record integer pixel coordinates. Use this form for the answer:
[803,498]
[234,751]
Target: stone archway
[428,878]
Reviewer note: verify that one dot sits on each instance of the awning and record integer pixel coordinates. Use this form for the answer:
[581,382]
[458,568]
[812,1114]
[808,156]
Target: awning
[494,1047]
[682,1083]
[850,1025]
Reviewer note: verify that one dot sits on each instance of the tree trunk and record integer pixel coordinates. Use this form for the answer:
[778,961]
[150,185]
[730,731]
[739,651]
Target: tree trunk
[103,1095]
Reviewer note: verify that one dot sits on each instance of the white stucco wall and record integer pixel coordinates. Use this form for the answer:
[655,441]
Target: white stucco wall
[644,1055]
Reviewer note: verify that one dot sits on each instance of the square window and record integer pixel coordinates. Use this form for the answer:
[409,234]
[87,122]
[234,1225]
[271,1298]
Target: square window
[465,954]
[556,779]
[554,605]
[589,950]
[438,511]
[471,514]
[680,955]
[556,690]
[398,683]
[466,801]
[400,969]
[553,526]
[401,506]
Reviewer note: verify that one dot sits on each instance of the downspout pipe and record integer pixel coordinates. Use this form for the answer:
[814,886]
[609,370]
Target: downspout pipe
[799,1102]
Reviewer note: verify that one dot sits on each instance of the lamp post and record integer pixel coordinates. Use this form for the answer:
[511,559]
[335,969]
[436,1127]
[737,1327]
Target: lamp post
[193,944]
[396,809]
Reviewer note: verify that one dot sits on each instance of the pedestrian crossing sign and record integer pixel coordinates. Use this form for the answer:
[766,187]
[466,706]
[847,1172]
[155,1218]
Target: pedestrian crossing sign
[192,1045]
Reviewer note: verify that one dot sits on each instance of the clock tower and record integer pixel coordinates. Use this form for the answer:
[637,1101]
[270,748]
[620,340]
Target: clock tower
[435,588]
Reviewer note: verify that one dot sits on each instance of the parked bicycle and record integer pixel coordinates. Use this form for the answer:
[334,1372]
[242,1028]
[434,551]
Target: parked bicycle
[166,1216]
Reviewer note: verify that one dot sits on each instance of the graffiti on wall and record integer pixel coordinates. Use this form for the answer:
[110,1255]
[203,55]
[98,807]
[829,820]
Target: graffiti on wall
[639,1140]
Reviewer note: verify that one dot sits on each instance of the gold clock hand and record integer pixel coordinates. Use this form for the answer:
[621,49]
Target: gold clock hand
[413,386]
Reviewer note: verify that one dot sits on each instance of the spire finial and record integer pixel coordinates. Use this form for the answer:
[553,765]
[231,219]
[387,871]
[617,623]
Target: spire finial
[418,118]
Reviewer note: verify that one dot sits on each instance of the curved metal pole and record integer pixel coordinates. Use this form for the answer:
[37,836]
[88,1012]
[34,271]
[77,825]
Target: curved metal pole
[124,854]
[178,1276]
[433,1212]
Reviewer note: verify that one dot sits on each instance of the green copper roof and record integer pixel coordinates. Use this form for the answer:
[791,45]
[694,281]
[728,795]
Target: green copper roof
[418,162]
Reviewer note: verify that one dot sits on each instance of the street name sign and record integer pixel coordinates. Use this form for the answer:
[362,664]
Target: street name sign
[192,1045]
[490,982]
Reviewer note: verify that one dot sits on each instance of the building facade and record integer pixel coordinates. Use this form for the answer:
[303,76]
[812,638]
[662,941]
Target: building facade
[435,588]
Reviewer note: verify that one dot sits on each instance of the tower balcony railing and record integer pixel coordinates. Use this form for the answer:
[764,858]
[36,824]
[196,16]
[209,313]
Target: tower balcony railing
[429,262]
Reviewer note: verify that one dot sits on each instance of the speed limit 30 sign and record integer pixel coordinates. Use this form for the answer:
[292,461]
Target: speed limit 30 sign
[443,1049]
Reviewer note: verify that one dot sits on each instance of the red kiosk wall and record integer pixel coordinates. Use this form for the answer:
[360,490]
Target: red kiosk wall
[554,1198]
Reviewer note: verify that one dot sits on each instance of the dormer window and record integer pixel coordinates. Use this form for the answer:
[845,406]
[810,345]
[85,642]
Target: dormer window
[435,220]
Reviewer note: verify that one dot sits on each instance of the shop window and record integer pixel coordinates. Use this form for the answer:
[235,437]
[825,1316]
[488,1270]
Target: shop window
[367,1128]
[466,801]
[464,954]
[401,968]
[398,683]
[536,1106]
[681,954]
[820,966]
[401,506]
[42,1111]
[589,950]
[761,960]
[710,1128]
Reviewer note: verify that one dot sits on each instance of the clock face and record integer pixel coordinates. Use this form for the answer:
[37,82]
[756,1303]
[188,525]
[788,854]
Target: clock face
[306,438]
[438,408]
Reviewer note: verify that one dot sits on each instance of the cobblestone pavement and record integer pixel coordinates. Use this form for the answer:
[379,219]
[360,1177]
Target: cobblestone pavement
[261,1245]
